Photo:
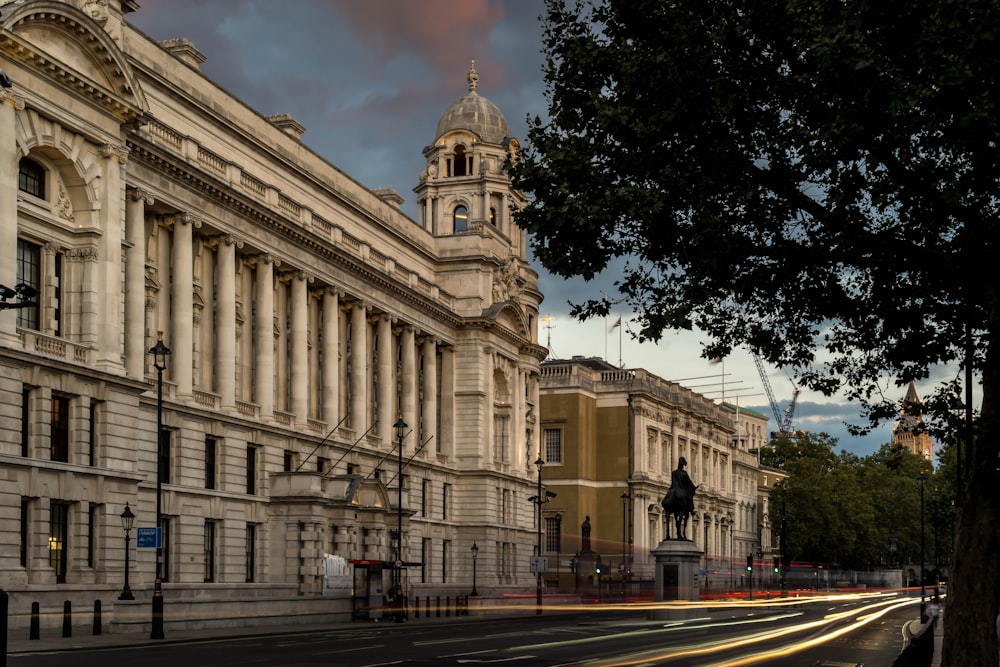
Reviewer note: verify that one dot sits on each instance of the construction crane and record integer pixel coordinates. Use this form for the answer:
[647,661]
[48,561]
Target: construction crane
[782,420]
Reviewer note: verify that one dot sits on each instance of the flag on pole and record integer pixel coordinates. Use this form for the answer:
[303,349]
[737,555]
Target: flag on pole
[617,324]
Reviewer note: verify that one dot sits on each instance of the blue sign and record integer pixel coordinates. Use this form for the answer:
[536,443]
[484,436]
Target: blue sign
[147,538]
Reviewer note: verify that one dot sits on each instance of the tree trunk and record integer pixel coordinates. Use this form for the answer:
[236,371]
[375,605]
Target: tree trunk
[973,601]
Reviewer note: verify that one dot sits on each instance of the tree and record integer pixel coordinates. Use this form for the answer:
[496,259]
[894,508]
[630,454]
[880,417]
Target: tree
[813,180]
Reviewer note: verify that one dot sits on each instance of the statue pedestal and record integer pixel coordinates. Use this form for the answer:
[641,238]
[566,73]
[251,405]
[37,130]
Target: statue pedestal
[676,578]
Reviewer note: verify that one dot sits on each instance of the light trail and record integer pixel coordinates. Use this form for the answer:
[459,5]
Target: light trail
[870,613]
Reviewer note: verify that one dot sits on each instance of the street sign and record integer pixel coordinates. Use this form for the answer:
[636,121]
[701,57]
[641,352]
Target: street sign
[147,538]
[539,564]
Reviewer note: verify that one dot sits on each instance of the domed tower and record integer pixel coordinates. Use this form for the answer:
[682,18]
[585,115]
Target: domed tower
[464,188]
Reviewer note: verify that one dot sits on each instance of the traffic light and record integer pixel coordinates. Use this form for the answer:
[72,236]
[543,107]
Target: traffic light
[597,568]
[749,562]
[777,565]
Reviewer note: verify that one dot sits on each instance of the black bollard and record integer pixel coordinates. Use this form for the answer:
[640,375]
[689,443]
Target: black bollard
[33,632]
[67,619]
[97,617]
[438,599]
[447,606]
[427,606]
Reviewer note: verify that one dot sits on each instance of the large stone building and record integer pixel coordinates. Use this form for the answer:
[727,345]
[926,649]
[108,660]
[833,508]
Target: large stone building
[305,315]
[611,438]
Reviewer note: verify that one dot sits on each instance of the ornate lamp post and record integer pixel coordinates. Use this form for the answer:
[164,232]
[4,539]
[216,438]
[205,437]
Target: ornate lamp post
[538,506]
[397,570]
[475,553]
[127,520]
[24,293]
[160,353]
[923,604]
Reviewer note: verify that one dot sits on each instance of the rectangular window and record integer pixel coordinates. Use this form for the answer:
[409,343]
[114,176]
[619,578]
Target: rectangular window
[25,421]
[91,536]
[553,535]
[425,554]
[445,549]
[29,272]
[445,488]
[93,432]
[425,490]
[58,533]
[286,464]
[322,465]
[209,550]
[25,503]
[164,466]
[251,552]
[59,428]
[251,469]
[210,464]
[553,445]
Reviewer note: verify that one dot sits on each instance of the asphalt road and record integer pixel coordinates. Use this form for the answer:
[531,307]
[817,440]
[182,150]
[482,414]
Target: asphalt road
[808,633]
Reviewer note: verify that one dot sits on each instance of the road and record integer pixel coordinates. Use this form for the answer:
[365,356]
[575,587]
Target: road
[837,631]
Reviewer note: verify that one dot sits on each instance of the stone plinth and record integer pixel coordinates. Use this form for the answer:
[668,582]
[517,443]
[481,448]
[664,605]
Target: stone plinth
[676,577]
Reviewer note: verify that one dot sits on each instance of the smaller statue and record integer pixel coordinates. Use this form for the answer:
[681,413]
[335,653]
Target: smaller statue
[585,535]
[679,500]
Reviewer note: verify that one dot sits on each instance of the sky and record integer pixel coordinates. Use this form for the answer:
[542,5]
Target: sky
[369,80]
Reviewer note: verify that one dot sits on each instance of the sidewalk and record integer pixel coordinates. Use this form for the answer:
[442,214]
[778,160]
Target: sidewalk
[83,637]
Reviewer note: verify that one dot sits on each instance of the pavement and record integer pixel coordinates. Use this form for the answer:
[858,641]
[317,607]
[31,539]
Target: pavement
[938,641]
[83,637]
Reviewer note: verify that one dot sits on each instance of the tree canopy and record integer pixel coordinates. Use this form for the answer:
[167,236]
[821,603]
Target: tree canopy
[814,180]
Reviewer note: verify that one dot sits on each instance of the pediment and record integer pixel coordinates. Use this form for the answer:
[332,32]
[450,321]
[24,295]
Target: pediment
[61,43]
[508,315]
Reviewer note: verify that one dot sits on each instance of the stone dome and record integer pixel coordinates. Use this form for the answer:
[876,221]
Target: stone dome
[475,114]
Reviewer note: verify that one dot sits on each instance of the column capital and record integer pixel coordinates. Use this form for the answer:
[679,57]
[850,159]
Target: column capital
[186,219]
[10,97]
[136,193]
[115,152]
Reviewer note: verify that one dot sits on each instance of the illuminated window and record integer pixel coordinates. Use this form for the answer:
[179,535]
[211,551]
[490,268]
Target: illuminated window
[461,219]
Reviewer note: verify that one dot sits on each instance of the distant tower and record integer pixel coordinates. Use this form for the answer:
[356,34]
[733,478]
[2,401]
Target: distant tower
[909,431]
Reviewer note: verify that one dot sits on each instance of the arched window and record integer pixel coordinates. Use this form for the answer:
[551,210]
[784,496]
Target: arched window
[31,178]
[461,161]
[493,216]
[461,219]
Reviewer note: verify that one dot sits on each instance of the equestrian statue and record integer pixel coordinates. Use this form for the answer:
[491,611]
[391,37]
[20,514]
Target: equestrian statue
[679,500]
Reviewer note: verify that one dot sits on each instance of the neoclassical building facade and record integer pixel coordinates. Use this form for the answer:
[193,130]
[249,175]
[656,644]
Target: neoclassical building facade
[611,438]
[305,316]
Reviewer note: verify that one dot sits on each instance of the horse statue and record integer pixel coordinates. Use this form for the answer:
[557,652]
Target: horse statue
[679,500]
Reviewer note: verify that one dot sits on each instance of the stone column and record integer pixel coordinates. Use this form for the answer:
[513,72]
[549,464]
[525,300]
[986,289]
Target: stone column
[359,368]
[182,317]
[300,348]
[386,380]
[331,358]
[263,327]
[408,381]
[105,312]
[446,430]
[428,430]
[135,281]
[9,156]
[225,322]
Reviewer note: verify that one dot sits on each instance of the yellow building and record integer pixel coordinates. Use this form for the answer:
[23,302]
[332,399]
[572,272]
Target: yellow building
[610,439]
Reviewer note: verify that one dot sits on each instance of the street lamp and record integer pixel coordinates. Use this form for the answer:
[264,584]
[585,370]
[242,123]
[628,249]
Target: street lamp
[923,606]
[24,293]
[475,553]
[625,499]
[127,520]
[397,570]
[160,353]
[538,567]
